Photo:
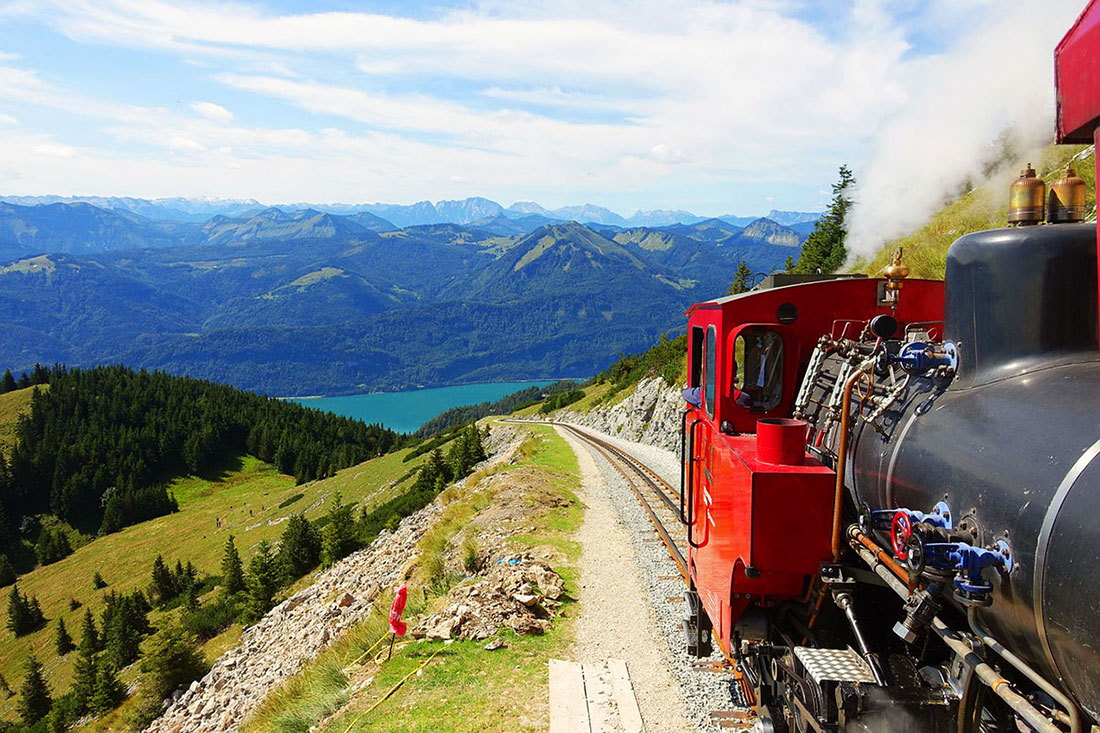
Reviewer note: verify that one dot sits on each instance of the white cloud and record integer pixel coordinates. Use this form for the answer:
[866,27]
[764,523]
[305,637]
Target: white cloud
[212,111]
[665,153]
[54,150]
[8,56]
[8,120]
[525,98]
[184,145]
[994,83]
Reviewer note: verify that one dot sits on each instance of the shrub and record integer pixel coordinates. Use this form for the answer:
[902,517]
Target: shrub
[173,660]
[210,620]
[290,500]
[469,555]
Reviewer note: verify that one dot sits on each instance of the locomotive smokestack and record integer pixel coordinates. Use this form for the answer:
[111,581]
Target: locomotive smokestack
[1027,199]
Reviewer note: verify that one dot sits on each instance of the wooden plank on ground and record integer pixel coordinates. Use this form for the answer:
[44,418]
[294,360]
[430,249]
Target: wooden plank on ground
[629,715]
[602,715]
[568,705]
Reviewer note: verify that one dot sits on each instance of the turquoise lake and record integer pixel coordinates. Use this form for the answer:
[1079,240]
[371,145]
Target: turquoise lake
[407,411]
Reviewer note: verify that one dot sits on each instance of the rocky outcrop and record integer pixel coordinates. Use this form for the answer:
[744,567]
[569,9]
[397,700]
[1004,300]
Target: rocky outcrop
[295,631]
[518,593]
[650,415]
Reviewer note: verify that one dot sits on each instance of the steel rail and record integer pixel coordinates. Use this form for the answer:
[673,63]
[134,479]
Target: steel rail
[617,459]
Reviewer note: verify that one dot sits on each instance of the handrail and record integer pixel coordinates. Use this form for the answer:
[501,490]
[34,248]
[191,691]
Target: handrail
[684,458]
[690,516]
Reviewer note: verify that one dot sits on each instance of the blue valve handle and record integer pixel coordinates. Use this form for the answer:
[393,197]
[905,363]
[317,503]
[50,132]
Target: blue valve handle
[969,560]
[918,356]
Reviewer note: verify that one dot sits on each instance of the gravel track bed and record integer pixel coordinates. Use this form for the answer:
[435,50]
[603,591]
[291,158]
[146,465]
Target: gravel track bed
[701,691]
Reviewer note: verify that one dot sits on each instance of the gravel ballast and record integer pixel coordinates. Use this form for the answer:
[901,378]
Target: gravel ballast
[701,692]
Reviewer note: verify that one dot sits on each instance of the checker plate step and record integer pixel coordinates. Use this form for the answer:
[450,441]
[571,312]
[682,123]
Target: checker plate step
[834,665]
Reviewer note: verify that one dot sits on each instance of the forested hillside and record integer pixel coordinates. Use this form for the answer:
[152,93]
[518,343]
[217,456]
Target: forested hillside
[311,303]
[98,446]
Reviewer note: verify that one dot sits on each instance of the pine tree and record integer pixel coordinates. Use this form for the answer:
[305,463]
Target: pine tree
[84,669]
[823,251]
[109,690]
[741,280]
[24,614]
[164,582]
[98,581]
[7,572]
[262,582]
[299,547]
[191,598]
[232,569]
[7,382]
[789,265]
[62,641]
[35,700]
[122,633]
[338,535]
[89,637]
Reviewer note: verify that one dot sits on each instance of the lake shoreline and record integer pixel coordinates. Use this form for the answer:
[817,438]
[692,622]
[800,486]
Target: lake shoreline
[406,411]
[532,380]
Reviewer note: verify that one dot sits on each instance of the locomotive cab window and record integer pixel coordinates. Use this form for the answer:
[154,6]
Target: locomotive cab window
[695,373]
[756,375]
[711,378]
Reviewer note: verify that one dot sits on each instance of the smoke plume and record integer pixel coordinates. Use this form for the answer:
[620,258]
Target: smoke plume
[994,89]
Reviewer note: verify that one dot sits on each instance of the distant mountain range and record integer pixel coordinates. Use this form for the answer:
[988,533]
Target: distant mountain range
[308,301]
[466,211]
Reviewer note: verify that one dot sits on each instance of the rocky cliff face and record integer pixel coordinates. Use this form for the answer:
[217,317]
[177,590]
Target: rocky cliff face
[650,415]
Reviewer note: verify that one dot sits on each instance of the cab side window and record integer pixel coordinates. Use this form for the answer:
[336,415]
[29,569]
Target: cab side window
[695,370]
[712,369]
[756,382]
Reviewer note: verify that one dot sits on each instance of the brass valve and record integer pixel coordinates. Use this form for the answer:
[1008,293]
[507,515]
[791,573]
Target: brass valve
[895,272]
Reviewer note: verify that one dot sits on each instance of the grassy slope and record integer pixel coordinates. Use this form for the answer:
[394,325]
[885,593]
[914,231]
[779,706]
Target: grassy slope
[465,688]
[125,558]
[12,405]
[984,207]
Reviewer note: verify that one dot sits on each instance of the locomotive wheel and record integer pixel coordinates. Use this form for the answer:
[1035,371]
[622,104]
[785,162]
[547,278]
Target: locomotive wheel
[980,711]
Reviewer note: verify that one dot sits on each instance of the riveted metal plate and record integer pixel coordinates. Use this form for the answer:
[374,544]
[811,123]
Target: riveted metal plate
[834,665]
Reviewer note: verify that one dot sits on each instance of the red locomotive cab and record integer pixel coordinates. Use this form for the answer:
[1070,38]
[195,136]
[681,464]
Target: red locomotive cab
[758,507]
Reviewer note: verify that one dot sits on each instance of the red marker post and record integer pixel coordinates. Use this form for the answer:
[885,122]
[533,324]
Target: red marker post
[397,626]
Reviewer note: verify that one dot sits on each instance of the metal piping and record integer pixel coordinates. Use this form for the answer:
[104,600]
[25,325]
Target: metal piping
[866,548]
[844,600]
[980,631]
[842,457]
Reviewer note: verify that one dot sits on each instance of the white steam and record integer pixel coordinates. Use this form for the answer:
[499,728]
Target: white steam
[995,84]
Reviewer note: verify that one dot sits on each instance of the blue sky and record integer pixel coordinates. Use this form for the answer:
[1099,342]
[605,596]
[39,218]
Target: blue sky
[732,107]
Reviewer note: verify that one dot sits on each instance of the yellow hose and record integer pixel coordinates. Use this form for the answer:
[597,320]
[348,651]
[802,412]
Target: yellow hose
[392,690]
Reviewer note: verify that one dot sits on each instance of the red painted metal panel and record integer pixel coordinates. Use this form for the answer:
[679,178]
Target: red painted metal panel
[1077,78]
[772,520]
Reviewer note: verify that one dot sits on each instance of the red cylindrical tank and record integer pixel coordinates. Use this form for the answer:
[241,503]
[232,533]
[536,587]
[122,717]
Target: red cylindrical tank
[781,441]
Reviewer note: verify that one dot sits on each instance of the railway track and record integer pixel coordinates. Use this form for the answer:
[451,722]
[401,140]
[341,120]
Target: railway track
[661,503]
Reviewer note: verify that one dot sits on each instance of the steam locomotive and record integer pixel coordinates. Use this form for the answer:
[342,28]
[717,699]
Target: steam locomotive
[891,486]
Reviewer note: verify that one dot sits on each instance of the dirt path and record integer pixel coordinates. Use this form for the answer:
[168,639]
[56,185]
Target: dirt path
[616,618]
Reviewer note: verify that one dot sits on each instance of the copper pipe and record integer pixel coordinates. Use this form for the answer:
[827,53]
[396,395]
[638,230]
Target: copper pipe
[842,458]
[882,557]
